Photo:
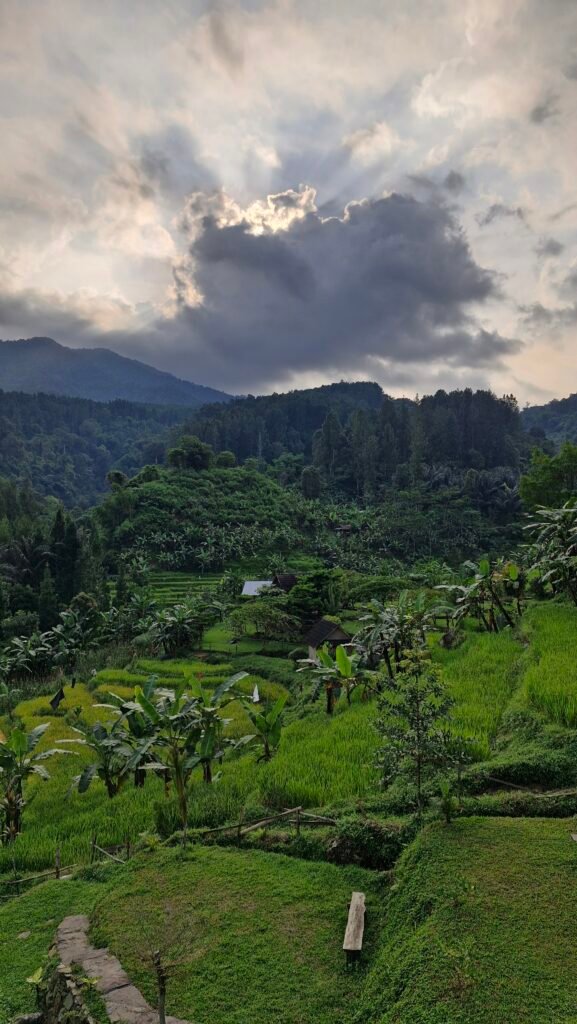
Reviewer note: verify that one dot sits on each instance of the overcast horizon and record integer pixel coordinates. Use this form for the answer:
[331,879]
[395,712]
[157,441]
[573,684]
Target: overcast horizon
[263,196]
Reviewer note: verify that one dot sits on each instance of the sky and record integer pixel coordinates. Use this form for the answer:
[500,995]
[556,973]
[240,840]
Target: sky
[263,195]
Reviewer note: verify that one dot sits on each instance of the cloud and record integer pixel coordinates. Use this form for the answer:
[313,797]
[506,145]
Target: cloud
[454,182]
[545,109]
[548,247]
[500,211]
[274,290]
[389,282]
[224,43]
[376,142]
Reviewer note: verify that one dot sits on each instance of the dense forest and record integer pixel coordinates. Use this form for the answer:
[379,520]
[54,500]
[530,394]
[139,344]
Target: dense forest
[350,439]
[65,446]
[356,440]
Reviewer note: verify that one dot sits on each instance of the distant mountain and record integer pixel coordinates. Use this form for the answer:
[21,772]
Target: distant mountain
[557,419]
[38,365]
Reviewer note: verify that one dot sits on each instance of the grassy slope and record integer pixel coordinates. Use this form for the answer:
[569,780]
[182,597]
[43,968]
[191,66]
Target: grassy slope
[258,936]
[550,680]
[481,676]
[38,911]
[480,928]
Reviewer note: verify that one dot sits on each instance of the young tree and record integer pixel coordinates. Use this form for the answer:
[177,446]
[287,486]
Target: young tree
[411,714]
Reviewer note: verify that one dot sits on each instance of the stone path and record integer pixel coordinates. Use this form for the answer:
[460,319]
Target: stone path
[124,1003]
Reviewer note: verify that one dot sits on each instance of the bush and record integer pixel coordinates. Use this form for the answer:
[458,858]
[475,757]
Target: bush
[369,843]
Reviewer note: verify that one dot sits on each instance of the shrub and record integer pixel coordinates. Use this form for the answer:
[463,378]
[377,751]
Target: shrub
[370,843]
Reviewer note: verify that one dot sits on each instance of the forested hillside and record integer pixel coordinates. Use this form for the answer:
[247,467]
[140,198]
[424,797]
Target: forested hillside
[349,439]
[204,519]
[65,446]
[360,438]
[557,419]
[41,364]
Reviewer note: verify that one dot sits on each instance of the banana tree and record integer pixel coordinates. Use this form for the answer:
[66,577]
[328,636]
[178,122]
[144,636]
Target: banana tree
[210,723]
[18,762]
[115,758]
[268,725]
[554,533]
[335,673]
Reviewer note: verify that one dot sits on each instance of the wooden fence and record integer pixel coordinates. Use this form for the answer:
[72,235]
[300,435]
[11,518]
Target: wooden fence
[295,816]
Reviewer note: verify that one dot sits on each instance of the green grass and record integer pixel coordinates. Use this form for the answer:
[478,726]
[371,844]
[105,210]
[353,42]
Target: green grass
[550,679]
[481,676]
[257,936]
[481,927]
[38,911]
[173,587]
[219,638]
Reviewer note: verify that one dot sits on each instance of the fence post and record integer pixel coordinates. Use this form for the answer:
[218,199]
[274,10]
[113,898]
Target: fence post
[93,849]
[298,821]
[57,862]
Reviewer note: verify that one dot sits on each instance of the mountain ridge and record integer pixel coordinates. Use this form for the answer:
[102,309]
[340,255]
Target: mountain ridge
[42,365]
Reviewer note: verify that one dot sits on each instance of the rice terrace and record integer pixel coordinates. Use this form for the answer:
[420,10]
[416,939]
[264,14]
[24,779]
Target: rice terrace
[288,512]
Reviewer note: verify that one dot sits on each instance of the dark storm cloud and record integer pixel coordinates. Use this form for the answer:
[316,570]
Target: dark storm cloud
[499,211]
[548,247]
[390,281]
[546,109]
[387,284]
[254,256]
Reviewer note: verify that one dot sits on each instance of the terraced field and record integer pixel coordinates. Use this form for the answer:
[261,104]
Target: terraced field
[173,587]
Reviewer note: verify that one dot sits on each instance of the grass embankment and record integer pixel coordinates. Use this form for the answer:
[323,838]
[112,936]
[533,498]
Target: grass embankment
[480,927]
[256,936]
[550,679]
[37,912]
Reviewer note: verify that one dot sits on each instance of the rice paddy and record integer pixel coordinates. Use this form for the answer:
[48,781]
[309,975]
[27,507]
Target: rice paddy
[550,678]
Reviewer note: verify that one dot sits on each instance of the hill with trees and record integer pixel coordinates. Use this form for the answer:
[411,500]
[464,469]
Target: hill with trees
[557,419]
[42,365]
[66,446]
[360,439]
